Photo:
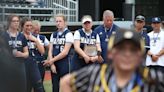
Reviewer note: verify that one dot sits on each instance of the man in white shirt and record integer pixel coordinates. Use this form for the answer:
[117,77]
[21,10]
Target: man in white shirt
[155,57]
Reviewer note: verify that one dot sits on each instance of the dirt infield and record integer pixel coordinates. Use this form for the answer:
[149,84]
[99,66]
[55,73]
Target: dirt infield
[47,76]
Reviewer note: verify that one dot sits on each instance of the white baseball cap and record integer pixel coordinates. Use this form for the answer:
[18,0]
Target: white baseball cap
[86,18]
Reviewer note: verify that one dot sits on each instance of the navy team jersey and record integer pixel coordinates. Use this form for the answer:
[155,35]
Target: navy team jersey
[43,41]
[18,42]
[104,37]
[87,40]
[59,42]
[147,40]
[32,48]
[78,61]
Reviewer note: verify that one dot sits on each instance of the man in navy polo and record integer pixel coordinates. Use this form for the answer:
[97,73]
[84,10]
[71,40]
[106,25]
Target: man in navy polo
[139,27]
[105,30]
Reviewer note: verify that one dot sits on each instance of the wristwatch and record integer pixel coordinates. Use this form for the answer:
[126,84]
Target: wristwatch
[98,53]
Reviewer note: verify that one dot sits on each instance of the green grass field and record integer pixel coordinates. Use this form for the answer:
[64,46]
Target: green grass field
[47,82]
[48,86]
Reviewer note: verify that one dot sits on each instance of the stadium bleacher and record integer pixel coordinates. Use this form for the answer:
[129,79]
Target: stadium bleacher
[24,8]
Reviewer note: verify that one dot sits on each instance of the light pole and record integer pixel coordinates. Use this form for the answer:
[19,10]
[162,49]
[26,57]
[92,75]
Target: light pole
[129,10]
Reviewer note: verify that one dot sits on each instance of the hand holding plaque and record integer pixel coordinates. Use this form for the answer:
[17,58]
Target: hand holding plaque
[90,50]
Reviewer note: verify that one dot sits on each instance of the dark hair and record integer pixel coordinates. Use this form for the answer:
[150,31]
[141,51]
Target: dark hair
[23,21]
[9,20]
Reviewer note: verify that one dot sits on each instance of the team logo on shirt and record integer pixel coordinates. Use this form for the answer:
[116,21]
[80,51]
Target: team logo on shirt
[88,41]
[31,45]
[59,41]
[17,43]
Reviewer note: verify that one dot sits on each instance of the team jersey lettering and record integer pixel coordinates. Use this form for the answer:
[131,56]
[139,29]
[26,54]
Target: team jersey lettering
[87,41]
[18,43]
[59,41]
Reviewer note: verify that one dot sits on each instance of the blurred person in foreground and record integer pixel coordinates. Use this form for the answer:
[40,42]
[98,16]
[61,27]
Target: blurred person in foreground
[125,74]
[105,30]
[10,70]
[155,57]
[18,46]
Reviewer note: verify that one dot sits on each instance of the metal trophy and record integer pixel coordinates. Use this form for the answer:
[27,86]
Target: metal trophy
[90,50]
[14,51]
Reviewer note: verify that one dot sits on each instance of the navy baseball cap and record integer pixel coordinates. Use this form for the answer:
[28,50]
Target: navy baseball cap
[140,18]
[156,20]
[125,34]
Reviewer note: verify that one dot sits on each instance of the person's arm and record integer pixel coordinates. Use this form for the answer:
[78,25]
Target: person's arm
[46,43]
[98,57]
[38,45]
[161,53]
[153,57]
[70,82]
[77,47]
[63,54]
[50,51]
[98,43]
[25,53]
[65,83]
[149,53]
[49,46]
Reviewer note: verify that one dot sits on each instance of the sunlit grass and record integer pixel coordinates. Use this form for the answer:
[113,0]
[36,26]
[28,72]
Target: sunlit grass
[48,86]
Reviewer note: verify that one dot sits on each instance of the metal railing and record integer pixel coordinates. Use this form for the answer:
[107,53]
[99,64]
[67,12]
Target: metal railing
[67,7]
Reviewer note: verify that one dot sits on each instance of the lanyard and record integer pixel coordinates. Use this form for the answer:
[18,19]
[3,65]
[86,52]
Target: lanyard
[88,39]
[14,42]
[155,38]
[107,32]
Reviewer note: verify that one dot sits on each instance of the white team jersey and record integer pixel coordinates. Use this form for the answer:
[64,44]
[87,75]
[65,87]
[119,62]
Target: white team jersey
[156,44]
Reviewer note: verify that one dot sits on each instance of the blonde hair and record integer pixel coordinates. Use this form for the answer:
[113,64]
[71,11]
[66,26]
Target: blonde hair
[61,15]
[36,22]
